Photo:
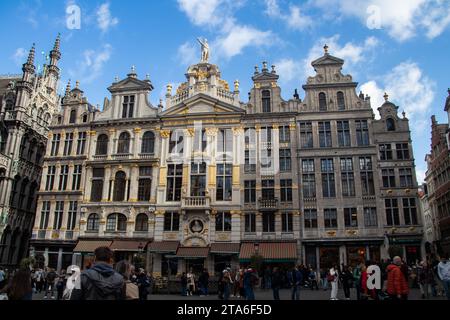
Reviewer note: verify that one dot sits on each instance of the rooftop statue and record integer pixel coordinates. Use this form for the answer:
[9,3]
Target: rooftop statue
[205,49]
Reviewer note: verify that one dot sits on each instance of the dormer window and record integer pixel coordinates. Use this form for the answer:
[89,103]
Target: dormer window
[266,101]
[341,101]
[73,116]
[128,107]
[390,124]
[59,120]
[85,118]
[322,101]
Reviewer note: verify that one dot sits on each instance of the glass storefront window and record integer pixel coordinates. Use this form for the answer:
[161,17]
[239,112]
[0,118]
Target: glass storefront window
[329,256]
[355,255]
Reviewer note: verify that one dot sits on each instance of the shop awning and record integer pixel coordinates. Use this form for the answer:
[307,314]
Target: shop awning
[163,246]
[89,246]
[225,248]
[270,251]
[192,252]
[130,246]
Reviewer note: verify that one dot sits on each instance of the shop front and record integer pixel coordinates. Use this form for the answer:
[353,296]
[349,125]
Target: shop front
[133,251]
[84,251]
[411,247]
[224,255]
[192,259]
[163,258]
[262,255]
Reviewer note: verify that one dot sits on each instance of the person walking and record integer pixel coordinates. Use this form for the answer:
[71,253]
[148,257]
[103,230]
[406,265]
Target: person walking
[143,283]
[324,279]
[130,290]
[241,283]
[444,275]
[397,285]
[346,278]
[312,276]
[19,287]
[50,283]
[191,283]
[425,278]
[268,278]
[60,284]
[203,282]
[250,280]
[101,281]
[333,278]
[276,282]
[357,280]
[295,281]
[236,291]
[39,279]
[184,284]
[227,283]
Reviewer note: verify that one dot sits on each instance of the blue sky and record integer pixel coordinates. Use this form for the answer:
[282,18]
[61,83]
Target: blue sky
[396,46]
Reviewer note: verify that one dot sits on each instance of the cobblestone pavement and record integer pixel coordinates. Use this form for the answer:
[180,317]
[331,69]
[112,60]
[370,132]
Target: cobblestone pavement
[305,294]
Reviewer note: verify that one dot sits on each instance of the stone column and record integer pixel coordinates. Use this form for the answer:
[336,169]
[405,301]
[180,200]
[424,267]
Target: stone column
[134,180]
[259,224]
[60,257]
[70,176]
[276,151]
[112,142]
[106,180]
[159,225]
[278,224]
[236,226]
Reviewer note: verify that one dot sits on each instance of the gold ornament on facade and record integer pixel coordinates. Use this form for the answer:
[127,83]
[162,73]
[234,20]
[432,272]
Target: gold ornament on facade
[137,130]
[201,74]
[165,134]
[274,84]
[257,85]
[236,85]
[224,84]
[212,132]
[182,87]
[190,132]
[331,233]
[292,126]
[92,133]
[169,89]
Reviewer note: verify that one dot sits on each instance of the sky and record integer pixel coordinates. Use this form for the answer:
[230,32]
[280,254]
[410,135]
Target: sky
[399,47]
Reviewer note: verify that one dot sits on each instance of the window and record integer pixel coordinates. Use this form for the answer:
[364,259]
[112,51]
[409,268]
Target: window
[286,222]
[250,137]
[410,211]
[367,184]
[148,143]
[406,178]
[266,158]
[200,140]
[76,178]
[250,222]
[174,181]
[98,175]
[370,217]
[286,190]
[73,116]
[347,177]
[268,189]
[93,222]
[385,152]
[198,179]
[350,217]
[85,118]
[322,101]
[265,101]
[362,132]
[284,134]
[392,216]
[325,134]
[123,146]
[309,178]
[388,178]
[250,191]
[223,221]
[50,178]
[250,161]
[224,182]
[55,144]
[268,222]
[145,183]
[141,222]
[310,219]
[402,151]
[120,182]
[9,106]
[45,215]
[171,221]
[116,222]
[306,135]
[224,144]
[68,144]
[59,211]
[3,139]
[328,184]
[63,177]
[330,216]
[72,215]
[390,124]
[176,142]
[285,160]
[341,100]
[102,145]
[81,143]
[128,107]
[343,130]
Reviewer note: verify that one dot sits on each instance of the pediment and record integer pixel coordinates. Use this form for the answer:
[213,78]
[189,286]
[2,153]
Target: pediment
[131,83]
[266,76]
[327,60]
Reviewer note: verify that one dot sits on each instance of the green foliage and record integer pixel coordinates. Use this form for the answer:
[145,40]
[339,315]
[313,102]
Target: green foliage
[27,263]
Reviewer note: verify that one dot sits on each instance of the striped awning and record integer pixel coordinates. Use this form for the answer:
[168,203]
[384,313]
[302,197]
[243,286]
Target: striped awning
[277,251]
[123,245]
[163,246]
[89,246]
[192,252]
[225,248]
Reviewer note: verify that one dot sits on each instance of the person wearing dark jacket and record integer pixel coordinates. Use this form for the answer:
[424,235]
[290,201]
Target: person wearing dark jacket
[203,282]
[183,281]
[276,282]
[101,281]
[143,283]
[50,280]
[295,280]
[346,278]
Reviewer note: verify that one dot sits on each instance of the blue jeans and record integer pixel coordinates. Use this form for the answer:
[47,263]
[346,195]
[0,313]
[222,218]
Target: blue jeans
[183,291]
[295,292]
[446,285]
[249,294]
[226,292]
[276,293]
[267,283]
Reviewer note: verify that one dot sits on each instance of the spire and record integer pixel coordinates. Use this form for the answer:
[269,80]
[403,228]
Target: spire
[68,88]
[77,85]
[57,43]
[132,73]
[31,55]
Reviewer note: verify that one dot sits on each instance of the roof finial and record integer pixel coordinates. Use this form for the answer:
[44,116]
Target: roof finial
[404,114]
[116,79]
[256,70]
[325,49]
[77,84]
[31,55]
[57,42]
[273,69]
[147,76]
[68,88]
[264,66]
[386,97]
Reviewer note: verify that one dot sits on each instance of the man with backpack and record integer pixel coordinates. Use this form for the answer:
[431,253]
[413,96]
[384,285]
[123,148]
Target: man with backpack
[295,280]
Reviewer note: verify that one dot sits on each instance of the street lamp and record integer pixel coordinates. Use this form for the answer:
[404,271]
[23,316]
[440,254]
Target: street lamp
[256,246]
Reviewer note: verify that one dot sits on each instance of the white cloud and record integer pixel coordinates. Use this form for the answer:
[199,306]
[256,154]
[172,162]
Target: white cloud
[92,65]
[19,56]
[202,12]
[105,20]
[402,19]
[295,19]
[289,70]
[187,53]
[406,86]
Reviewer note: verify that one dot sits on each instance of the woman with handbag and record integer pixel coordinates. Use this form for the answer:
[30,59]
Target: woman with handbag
[333,278]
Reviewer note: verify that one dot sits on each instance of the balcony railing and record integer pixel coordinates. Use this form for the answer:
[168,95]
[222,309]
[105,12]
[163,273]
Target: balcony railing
[146,155]
[100,157]
[268,204]
[124,156]
[195,202]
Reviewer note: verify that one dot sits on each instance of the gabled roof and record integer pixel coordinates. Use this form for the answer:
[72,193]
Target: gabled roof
[131,83]
[327,59]
[265,75]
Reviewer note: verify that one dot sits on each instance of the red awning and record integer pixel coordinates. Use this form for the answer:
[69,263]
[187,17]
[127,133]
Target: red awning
[270,250]
[89,246]
[192,252]
[123,245]
[225,248]
[164,246]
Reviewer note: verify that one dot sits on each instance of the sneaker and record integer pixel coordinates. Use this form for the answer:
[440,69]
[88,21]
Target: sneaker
[53,297]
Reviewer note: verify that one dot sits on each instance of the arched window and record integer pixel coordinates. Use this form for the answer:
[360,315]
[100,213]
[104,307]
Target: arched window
[265,101]
[31,149]
[102,145]
[93,222]
[73,116]
[9,105]
[141,222]
[124,143]
[85,118]
[40,153]
[3,139]
[59,120]
[341,100]
[148,142]
[119,186]
[390,124]
[47,118]
[322,101]
[40,113]
[116,222]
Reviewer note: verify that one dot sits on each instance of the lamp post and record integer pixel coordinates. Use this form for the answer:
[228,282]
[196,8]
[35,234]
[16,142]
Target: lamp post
[140,250]
[256,247]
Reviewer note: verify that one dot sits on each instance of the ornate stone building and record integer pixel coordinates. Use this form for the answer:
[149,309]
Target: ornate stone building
[210,181]
[27,104]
